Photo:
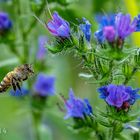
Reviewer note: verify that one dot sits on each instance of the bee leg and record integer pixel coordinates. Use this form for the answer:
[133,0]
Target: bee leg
[18,86]
[17,83]
[25,78]
[13,84]
[19,79]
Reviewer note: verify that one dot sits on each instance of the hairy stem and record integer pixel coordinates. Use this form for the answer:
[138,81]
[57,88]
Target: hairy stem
[127,79]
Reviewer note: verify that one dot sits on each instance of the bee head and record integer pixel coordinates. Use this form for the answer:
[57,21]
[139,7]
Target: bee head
[28,68]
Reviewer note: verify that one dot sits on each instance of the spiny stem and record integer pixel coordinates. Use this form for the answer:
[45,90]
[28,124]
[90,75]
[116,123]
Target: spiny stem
[127,79]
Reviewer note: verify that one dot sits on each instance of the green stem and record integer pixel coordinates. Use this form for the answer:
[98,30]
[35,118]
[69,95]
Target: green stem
[110,72]
[98,133]
[112,134]
[128,78]
[25,49]
[36,122]
[136,136]
[113,130]
[26,33]
[34,21]
[19,28]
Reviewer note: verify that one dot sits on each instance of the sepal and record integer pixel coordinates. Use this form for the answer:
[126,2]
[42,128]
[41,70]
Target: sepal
[60,44]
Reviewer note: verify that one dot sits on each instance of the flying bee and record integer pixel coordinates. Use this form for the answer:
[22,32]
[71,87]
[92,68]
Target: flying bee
[13,78]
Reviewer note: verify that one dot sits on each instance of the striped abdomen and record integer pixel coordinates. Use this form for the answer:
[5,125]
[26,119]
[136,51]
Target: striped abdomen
[6,82]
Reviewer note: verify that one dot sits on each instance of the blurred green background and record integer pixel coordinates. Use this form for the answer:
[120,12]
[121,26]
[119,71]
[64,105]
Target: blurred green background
[15,115]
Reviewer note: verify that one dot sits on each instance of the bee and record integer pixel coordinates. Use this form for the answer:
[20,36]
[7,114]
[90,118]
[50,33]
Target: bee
[13,78]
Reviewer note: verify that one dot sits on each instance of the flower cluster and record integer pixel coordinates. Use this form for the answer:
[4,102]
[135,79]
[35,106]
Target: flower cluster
[116,28]
[119,96]
[5,22]
[60,28]
[107,63]
[104,22]
[77,107]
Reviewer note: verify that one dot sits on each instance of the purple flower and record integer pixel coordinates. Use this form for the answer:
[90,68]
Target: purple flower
[17,93]
[119,96]
[44,85]
[86,29]
[77,107]
[5,22]
[58,26]
[115,26]
[109,33]
[124,26]
[41,47]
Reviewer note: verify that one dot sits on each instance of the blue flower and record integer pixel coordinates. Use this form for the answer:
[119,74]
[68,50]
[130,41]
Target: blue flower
[86,29]
[17,93]
[120,96]
[115,26]
[88,107]
[77,107]
[138,24]
[5,22]
[104,21]
[44,85]
[99,36]
[41,47]
[133,94]
[103,92]
[58,26]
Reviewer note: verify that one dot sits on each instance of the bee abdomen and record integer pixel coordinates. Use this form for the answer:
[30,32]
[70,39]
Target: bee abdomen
[6,82]
[3,86]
